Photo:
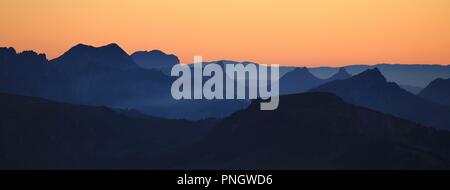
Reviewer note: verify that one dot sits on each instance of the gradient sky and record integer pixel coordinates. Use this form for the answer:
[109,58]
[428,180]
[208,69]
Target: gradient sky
[287,32]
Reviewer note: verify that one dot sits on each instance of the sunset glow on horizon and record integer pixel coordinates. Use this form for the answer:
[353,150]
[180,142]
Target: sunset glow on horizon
[285,32]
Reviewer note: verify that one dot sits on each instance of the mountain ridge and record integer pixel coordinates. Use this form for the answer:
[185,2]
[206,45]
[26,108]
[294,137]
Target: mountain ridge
[437,91]
[370,89]
[317,130]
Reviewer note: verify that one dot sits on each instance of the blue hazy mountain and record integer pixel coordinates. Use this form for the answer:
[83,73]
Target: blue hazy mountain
[298,81]
[437,91]
[340,75]
[317,131]
[102,76]
[42,134]
[413,89]
[108,76]
[155,59]
[370,89]
[414,75]
[402,74]
[301,80]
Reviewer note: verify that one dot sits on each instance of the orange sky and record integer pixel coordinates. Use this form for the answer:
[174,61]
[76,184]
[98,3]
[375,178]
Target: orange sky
[286,32]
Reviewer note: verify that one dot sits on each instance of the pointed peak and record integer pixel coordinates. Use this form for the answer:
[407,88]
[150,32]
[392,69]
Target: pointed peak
[371,74]
[374,70]
[299,72]
[112,48]
[341,74]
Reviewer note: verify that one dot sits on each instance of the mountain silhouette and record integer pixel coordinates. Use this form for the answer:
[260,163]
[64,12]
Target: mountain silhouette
[340,75]
[102,76]
[10,56]
[84,58]
[155,59]
[416,75]
[108,76]
[299,80]
[437,91]
[42,134]
[317,131]
[26,73]
[370,89]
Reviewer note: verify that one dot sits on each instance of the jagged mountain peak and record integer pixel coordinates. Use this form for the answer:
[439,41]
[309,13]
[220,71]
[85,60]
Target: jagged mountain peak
[9,55]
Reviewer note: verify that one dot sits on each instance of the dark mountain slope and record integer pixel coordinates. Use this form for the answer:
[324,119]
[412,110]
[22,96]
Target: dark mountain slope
[437,91]
[41,134]
[318,131]
[27,73]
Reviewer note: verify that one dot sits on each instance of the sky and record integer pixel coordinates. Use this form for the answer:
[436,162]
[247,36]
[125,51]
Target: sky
[285,32]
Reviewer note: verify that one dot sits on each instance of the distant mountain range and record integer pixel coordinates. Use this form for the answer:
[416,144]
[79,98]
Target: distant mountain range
[317,131]
[108,76]
[418,76]
[155,59]
[102,76]
[370,89]
[90,107]
[301,80]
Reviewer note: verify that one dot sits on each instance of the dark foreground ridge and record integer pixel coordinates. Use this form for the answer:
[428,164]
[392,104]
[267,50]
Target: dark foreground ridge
[307,131]
[42,134]
[320,131]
